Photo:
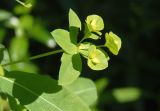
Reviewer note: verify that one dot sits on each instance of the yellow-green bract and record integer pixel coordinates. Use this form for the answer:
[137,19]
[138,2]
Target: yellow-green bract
[95,23]
[113,42]
[97,58]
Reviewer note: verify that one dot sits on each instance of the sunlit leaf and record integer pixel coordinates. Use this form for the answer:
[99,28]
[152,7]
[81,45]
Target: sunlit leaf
[74,20]
[85,89]
[64,41]
[74,26]
[70,69]
[113,42]
[47,95]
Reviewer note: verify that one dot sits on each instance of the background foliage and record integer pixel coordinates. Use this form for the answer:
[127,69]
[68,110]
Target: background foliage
[131,83]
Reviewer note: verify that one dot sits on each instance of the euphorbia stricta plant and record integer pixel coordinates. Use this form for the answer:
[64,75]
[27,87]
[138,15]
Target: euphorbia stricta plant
[97,58]
[71,93]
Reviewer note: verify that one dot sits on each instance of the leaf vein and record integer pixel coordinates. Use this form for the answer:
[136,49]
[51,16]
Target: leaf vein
[23,87]
[85,90]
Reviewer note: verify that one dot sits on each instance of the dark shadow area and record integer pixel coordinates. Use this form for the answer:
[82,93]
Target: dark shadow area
[74,34]
[1,52]
[77,63]
[28,87]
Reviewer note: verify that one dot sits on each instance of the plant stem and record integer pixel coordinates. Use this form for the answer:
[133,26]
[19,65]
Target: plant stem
[20,2]
[82,40]
[101,46]
[25,5]
[34,57]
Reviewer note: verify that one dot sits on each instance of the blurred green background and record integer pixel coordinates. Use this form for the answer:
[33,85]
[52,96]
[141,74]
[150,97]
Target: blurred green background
[132,81]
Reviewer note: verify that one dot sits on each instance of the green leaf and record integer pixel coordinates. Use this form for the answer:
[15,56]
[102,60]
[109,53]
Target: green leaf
[15,104]
[4,15]
[4,56]
[2,34]
[70,69]
[38,32]
[126,94]
[2,48]
[1,71]
[95,23]
[113,42]
[93,36]
[27,22]
[19,48]
[74,20]
[24,66]
[74,26]
[73,31]
[64,41]
[98,59]
[4,105]
[85,89]
[101,84]
[47,95]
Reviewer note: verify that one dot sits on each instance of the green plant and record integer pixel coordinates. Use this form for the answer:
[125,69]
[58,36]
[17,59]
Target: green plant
[34,92]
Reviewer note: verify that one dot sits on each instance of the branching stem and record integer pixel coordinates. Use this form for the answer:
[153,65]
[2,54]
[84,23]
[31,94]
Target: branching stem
[33,58]
[100,46]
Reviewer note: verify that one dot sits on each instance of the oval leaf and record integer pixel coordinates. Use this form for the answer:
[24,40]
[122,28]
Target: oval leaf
[85,89]
[70,69]
[63,40]
[47,95]
[74,20]
[74,26]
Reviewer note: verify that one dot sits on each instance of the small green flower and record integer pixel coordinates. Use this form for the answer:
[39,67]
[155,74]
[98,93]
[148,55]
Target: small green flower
[113,42]
[83,49]
[97,58]
[94,23]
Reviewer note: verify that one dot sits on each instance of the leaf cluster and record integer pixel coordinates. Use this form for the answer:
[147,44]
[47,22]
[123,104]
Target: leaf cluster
[34,92]
[97,58]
